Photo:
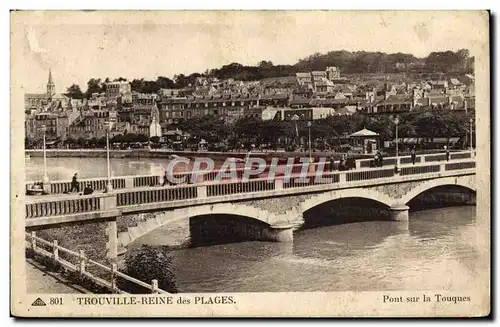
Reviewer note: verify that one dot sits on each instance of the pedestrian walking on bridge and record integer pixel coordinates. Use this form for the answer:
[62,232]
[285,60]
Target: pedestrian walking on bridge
[165,179]
[74,184]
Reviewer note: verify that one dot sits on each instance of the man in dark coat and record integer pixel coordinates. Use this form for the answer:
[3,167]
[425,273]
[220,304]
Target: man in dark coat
[165,179]
[74,184]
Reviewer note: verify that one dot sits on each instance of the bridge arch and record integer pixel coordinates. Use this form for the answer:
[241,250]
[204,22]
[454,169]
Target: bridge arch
[225,209]
[464,181]
[164,218]
[346,193]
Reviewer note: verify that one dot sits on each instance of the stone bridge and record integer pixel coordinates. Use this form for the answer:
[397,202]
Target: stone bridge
[276,207]
[285,213]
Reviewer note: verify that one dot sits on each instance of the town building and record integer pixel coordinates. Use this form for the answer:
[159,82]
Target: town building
[332,73]
[117,89]
[56,124]
[228,107]
[304,79]
[40,101]
[92,124]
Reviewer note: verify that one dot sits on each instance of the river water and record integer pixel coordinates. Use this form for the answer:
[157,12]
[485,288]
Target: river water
[436,249]
[64,168]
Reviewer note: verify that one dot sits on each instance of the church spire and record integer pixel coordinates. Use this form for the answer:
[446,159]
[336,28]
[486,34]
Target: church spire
[51,87]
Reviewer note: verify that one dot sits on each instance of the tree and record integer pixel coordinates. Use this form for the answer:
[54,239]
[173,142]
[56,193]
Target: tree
[94,86]
[74,92]
[181,81]
[142,138]
[265,64]
[165,82]
[146,264]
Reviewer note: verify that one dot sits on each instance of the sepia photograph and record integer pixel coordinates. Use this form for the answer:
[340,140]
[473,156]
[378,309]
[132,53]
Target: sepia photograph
[250,163]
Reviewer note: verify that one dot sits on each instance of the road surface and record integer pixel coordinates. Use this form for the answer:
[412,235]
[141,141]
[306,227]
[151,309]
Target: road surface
[39,281]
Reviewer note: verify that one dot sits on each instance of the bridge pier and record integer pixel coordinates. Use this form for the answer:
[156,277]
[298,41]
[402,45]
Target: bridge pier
[45,185]
[400,212]
[280,233]
[112,242]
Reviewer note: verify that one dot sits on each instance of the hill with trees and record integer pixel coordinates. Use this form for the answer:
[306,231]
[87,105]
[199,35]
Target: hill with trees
[459,62]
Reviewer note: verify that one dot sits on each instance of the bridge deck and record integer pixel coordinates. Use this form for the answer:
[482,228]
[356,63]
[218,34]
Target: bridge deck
[55,197]
[59,209]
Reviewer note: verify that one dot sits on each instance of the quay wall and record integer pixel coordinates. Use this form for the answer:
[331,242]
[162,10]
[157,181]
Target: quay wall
[142,153]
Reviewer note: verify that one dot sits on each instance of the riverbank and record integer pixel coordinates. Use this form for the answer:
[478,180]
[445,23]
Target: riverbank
[158,153]
[161,153]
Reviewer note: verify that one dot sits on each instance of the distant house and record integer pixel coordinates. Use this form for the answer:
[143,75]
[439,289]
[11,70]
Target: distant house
[394,103]
[346,111]
[323,86]
[332,73]
[450,102]
[304,79]
[321,113]
[439,85]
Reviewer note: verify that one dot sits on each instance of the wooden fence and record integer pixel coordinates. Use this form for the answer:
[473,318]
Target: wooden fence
[33,242]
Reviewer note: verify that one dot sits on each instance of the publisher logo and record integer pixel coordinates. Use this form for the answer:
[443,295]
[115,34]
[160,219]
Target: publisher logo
[38,303]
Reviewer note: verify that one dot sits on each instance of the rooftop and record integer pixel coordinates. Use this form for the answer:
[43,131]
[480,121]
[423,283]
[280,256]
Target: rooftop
[363,132]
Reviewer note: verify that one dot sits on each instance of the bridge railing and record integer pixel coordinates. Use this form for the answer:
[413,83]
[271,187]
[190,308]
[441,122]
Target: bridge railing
[420,169]
[310,180]
[369,174]
[64,206]
[58,187]
[74,204]
[406,159]
[79,263]
[240,187]
[158,194]
[460,165]
[136,181]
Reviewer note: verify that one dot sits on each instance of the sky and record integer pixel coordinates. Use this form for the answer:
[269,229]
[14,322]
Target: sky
[80,45]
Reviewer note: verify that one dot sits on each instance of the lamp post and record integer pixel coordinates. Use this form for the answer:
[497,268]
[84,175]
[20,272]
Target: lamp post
[309,128]
[396,122]
[109,186]
[295,118]
[45,176]
[471,151]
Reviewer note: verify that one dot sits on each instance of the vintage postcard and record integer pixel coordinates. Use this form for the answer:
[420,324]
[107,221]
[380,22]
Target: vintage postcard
[250,164]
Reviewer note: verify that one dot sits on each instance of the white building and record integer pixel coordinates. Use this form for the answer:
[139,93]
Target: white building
[154,128]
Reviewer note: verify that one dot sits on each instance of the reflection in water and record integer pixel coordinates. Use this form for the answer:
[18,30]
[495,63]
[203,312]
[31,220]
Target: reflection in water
[435,250]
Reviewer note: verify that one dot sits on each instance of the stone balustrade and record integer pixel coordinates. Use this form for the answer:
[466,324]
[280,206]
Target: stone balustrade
[391,161]
[369,174]
[420,169]
[137,181]
[240,187]
[159,194]
[66,206]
